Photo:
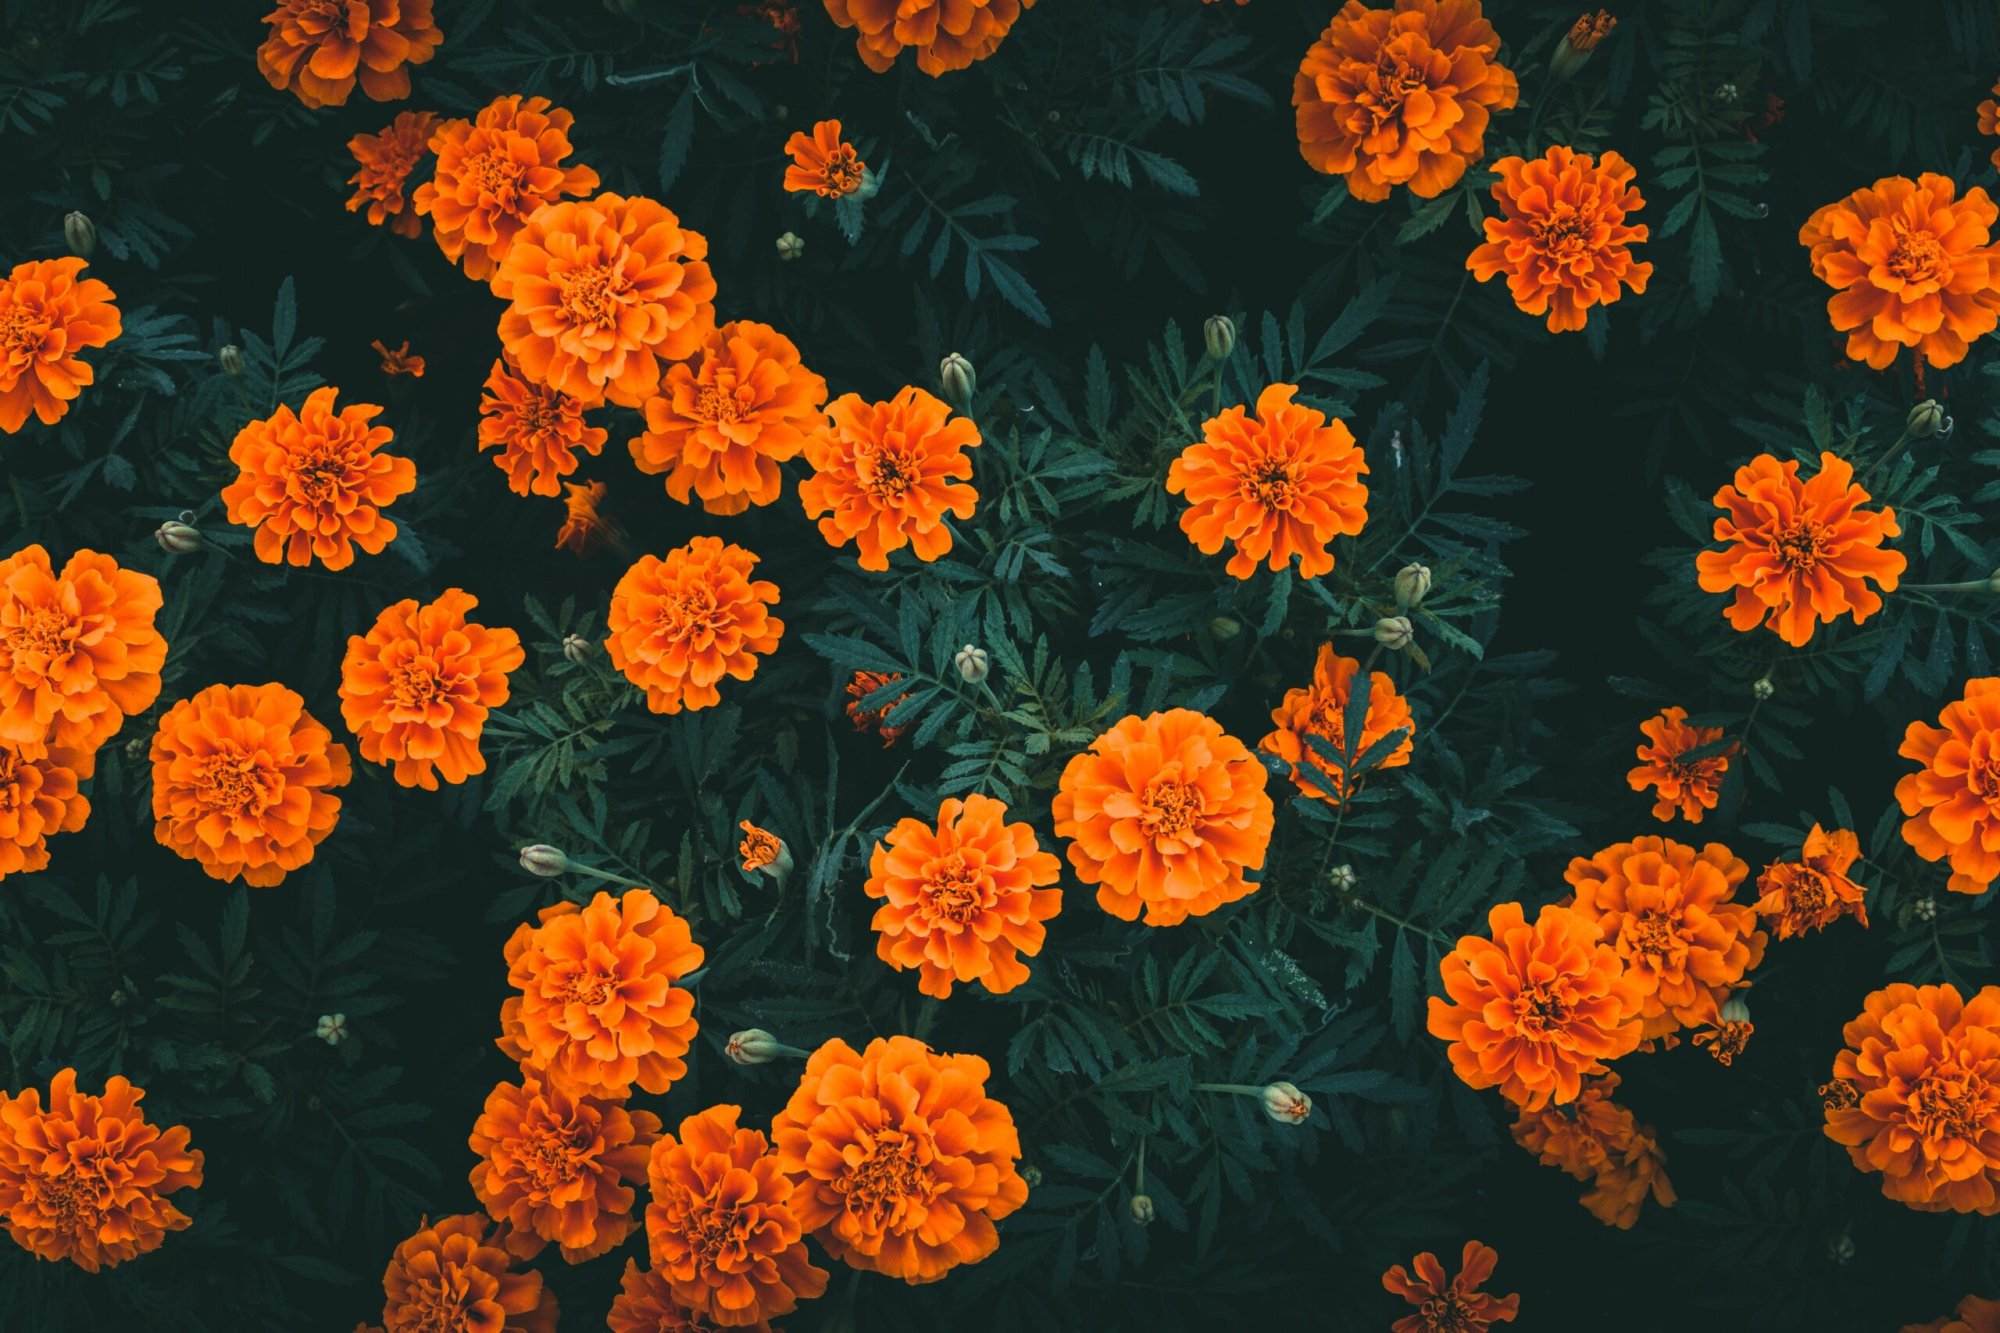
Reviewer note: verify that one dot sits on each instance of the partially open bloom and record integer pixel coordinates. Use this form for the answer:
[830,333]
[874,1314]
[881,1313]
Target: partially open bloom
[719,426]
[492,173]
[1320,709]
[723,1225]
[1400,96]
[47,316]
[559,1168]
[86,1178]
[601,292]
[1912,266]
[886,474]
[399,360]
[1727,1039]
[78,650]
[598,1010]
[1975,1314]
[865,717]
[313,484]
[823,163]
[243,781]
[1450,1306]
[645,1304]
[964,900]
[902,1162]
[1596,1139]
[1800,552]
[1535,1008]
[1814,891]
[536,429]
[947,35]
[1989,121]
[1687,787]
[760,848]
[452,1276]
[1560,234]
[38,797]
[320,48]
[584,526]
[1925,1066]
[1283,482]
[679,625]
[415,690]
[383,162]
[1953,801]
[1165,812]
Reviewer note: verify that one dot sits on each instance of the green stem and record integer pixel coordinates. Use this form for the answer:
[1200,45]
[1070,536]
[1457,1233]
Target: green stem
[1902,443]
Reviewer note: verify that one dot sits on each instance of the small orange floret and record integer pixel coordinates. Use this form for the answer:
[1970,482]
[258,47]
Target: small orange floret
[947,35]
[677,626]
[1814,891]
[1989,124]
[492,173]
[38,797]
[559,1169]
[78,651]
[320,48]
[823,163]
[1560,234]
[47,316]
[1455,1304]
[759,848]
[536,430]
[886,474]
[454,1275]
[313,484]
[384,161]
[1320,709]
[866,718]
[584,526]
[1596,1139]
[399,360]
[1953,800]
[1687,787]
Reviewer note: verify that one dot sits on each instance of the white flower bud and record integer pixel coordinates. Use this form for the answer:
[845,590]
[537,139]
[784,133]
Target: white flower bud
[1142,1209]
[576,648]
[544,860]
[1342,878]
[1225,628]
[1413,584]
[1286,1104]
[80,234]
[1218,337]
[1734,1010]
[1927,419]
[177,538]
[1763,687]
[973,664]
[1925,909]
[753,1046]
[790,246]
[958,379]
[1394,632]
[331,1028]
[231,359]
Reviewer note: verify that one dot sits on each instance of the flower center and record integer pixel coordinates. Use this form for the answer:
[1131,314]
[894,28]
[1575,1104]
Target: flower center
[955,891]
[1654,935]
[1839,1095]
[23,332]
[1810,893]
[443,1304]
[1541,1010]
[320,471]
[415,685]
[712,402]
[73,1199]
[497,175]
[1951,1104]
[1798,547]
[889,1181]
[1983,776]
[1563,235]
[42,635]
[588,986]
[1395,79]
[552,1156]
[237,783]
[689,612]
[591,294]
[540,416]
[1918,256]
[885,474]
[843,171]
[1170,808]
[1446,1312]
[1270,484]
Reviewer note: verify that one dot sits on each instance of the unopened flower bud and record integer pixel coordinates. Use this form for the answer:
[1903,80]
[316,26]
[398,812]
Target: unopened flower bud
[753,1046]
[231,357]
[972,663]
[1342,878]
[1841,1248]
[1394,632]
[80,234]
[575,647]
[1142,1209]
[1734,1010]
[1225,628]
[331,1028]
[1927,419]
[1286,1104]
[1218,337]
[790,246]
[1032,1174]
[1993,582]
[958,379]
[119,999]
[1413,584]
[544,860]
[177,538]
[1573,51]
[1925,909]
[1763,687]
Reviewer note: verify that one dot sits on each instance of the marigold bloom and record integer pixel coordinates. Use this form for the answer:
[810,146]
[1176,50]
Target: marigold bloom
[645,1304]
[38,797]
[947,35]
[1400,96]
[1989,121]
[679,625]
[719,427]
[1454,1306]
[864,718]
[492,173]
[759,848]
[602,291]
[243,781]
[384,161]
[313,485]
[1800,552]
[1535,1008]
[558,1168]
[1596,1139]
[1687,787]
[823,163]
[598,1010]
[1320,709]
[1953,801]
[1926,1067]
[415,690]
[1726,1040]
[902,1162]
[1560,235]
[723,1225]
[1165,812]
[1911,266]
[1975,1314]
[399,360]
[1589,31]
[47,316]
[584,528]
[962,901]
[886,474]
[319,48]
[1281,483]
[1814,891]
[78,651]
[453,1275]
[536,430]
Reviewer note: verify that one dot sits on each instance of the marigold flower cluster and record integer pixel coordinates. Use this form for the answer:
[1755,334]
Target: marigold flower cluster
[1597,1140]
[1689,787]
[537,431]
[319,49]
[384,161]
[1457,1303]
[1953,800]
[492,173]
[947,35]
[313,484]
[1561,236]
[1320,710]
[48,314]
[1813,892]
[679,625]
[886,474]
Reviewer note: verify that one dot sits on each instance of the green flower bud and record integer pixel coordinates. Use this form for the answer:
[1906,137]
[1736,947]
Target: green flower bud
[1218,337]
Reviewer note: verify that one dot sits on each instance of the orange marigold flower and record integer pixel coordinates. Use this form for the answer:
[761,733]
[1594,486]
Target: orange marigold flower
[1596,1139]
[598,1011]
[679,625]
[1165,812]
[1814,891]
[1561,236]
[963,901]
[602,291]
[78,651]
[1688,787]
[1589,31]
[1800,552]
[723,1226]
[902,1162]
[1953,801]
[399,361]
[1669,913]
[243,781]
[1456,1305]
[47,316]
[1726,1040]
[1400,96]
[313,485]
[536,429]
[885,475]
[720,427]
[1320,709]
[947,35]
[385,160]
[1975,1314]
[1281,483]
[1911,266]
[1926,1067]
[645,1304]
[864,718]
[38,797]
[453,1276]
[415,690]
[823,163]
[1989,120]
[558,1168]
[584,527]
[759,848]
[492,173]
[1534,1009]
[319,48]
